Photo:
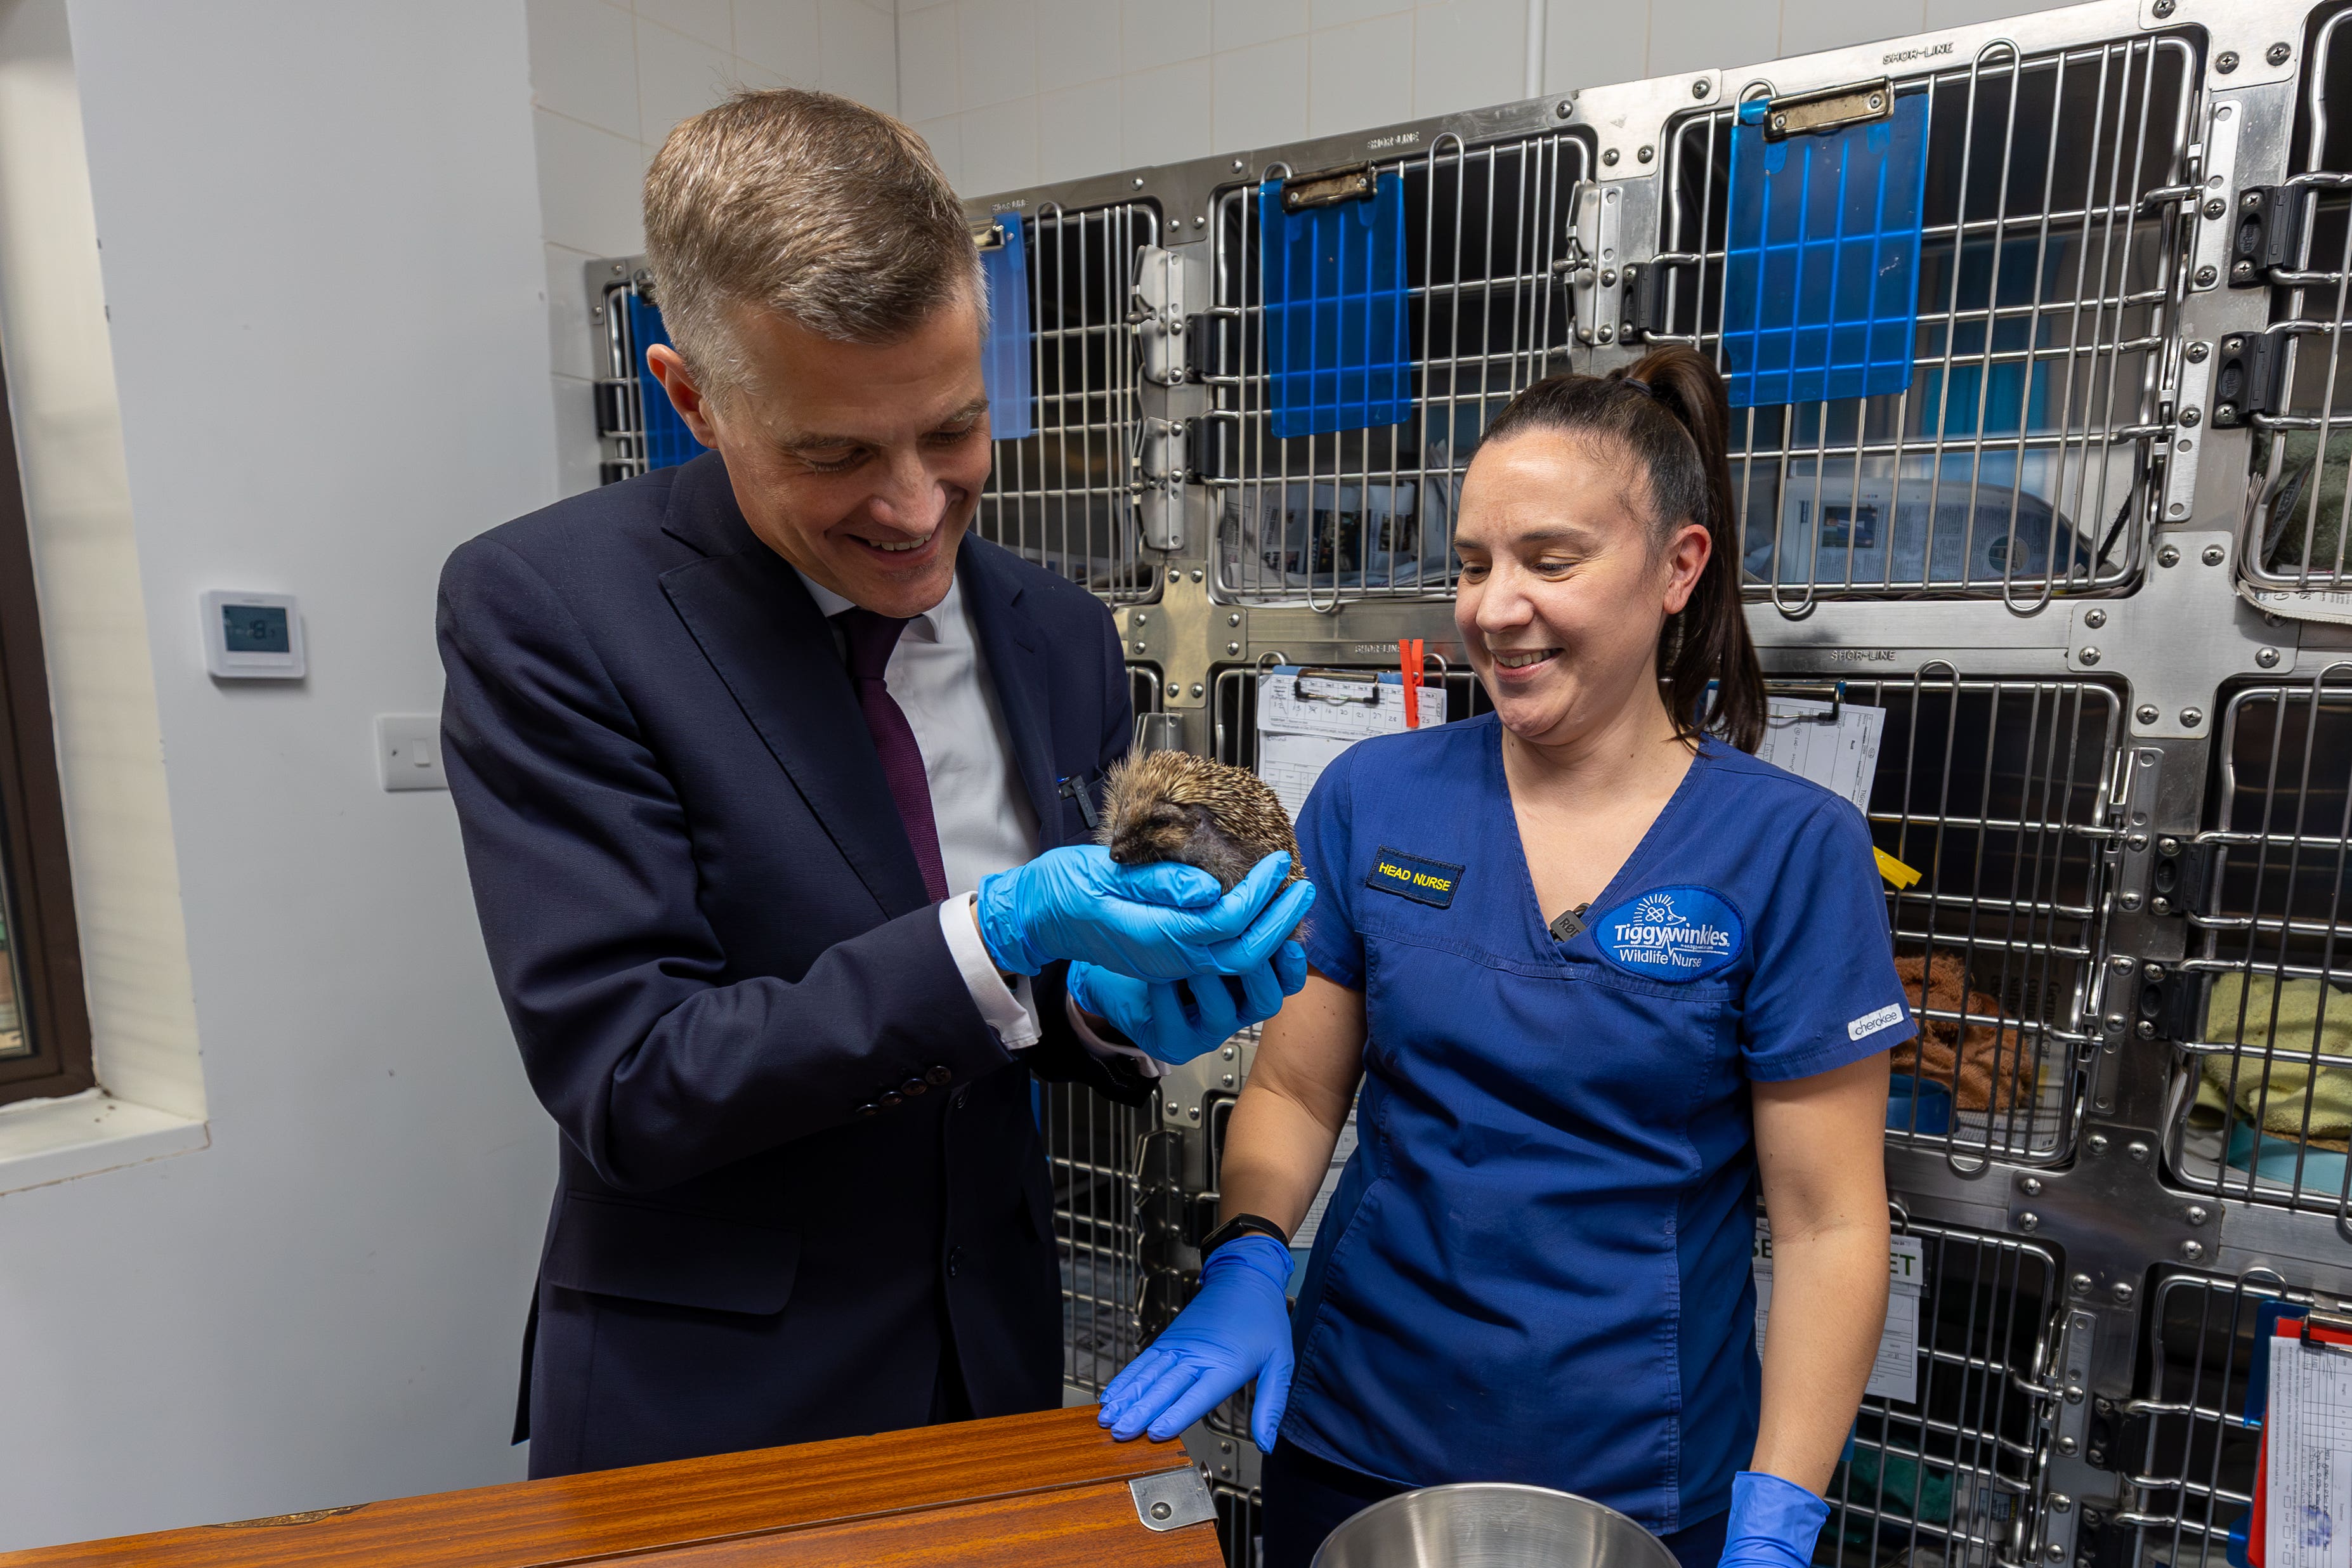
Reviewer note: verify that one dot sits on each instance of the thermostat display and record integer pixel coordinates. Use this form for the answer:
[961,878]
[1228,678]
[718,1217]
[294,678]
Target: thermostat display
[253,636]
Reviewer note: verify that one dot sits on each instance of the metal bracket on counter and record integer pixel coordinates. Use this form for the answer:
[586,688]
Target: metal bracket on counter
[1173,1499]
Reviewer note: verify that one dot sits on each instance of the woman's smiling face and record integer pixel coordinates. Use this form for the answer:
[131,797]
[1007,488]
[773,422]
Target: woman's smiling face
[1565,585]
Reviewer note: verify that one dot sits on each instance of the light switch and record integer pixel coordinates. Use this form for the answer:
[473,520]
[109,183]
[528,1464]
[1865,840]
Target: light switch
[408,751]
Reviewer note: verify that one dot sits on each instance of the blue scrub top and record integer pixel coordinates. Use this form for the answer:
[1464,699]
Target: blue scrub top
[1535,1266]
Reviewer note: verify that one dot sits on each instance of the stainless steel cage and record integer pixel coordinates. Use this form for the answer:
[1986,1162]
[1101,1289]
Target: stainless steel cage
[1955,1475]
[2262,1105]
[1066,496]
[1091,1146]
[2018,463]
[2186,1445]
[1233,705]
[1369,514]
[620,407]
[1997,793]
[2290,381]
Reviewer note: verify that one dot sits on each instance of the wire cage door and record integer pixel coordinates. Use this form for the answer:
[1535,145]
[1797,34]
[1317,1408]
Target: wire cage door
[2291,382]
[1996,792]
[2188,1443]
[2261,1100]
[2018,463]
[1360,514]
[1066,495]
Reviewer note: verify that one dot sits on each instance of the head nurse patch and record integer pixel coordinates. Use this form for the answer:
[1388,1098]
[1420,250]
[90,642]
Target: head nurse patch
[1671,933]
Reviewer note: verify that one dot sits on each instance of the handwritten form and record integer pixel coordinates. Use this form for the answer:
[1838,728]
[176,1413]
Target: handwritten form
[1895,1375]
[2308,1435]
[1842,758]
[1304,722]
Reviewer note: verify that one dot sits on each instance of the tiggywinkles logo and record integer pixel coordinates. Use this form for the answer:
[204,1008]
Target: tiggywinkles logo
[1671,933]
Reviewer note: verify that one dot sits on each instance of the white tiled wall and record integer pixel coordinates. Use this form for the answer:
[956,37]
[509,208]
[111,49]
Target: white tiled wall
[1019,92]
[608,81]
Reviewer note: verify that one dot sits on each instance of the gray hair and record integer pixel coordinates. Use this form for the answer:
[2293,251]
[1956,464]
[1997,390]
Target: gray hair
[826,212]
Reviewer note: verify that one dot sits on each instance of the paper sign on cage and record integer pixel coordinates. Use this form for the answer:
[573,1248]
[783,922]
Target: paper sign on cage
[1821,257]
[1333,279]
[1004,359]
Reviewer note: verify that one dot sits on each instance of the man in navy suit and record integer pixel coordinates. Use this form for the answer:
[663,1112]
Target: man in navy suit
[772,780]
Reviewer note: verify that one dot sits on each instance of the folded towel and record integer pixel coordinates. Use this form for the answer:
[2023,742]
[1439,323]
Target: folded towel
[2297,1018]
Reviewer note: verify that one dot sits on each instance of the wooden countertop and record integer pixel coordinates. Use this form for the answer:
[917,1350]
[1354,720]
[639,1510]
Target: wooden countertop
[1036,1490]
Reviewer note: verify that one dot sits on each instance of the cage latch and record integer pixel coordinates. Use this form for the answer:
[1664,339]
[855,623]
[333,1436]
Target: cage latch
[1163,465]
[1595,282]
[2117,1433]
[2247,379]
[989,235]
[1157,313]
[1828,109]
[2268,235]
[2169,1005]
[1329,189]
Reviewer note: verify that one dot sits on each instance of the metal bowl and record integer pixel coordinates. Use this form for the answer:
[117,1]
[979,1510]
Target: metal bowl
[1491,1525]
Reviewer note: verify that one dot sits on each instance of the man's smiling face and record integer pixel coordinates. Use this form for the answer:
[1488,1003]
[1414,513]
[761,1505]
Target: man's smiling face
[859,463]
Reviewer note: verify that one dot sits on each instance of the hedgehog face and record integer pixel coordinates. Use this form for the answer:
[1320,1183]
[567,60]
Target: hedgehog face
[1158,833]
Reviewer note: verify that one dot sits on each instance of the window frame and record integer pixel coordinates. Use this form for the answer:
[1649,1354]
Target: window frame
[52,1005]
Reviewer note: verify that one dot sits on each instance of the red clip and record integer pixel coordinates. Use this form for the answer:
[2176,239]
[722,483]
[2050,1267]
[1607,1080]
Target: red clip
[1408,668]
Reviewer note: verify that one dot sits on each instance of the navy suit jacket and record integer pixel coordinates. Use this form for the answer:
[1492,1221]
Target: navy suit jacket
[799,1175]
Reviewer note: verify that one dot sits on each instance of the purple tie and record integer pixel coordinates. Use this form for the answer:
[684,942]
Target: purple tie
[870,639]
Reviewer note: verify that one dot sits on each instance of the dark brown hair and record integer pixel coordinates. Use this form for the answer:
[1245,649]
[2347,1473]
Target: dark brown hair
[1669,415]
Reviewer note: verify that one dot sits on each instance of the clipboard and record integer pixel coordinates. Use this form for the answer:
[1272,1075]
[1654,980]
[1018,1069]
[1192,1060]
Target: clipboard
[2283,1320]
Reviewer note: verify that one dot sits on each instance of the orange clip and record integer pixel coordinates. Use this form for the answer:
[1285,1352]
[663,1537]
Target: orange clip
[1408,668]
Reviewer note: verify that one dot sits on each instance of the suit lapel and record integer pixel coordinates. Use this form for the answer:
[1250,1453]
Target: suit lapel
[756,623]
[1015,650]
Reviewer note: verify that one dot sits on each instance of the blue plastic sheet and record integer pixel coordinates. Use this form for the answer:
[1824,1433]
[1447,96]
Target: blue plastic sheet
[1821,258]
[1006,360]
[667,440]
[1335,311]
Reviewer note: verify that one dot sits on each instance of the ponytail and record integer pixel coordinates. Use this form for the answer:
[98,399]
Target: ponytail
[1670,413]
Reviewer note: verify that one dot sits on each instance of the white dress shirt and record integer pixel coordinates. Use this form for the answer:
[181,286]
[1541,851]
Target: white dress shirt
[977,802]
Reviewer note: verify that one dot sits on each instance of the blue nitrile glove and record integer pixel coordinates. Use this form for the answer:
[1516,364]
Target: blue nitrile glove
[1773,1522]
[1175,1020]
[1236,1329]
[1162,921]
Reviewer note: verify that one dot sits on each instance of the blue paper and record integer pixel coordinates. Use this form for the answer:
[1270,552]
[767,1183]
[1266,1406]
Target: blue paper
[1005,359]
[1333,279]
[1821,260]
[667,440]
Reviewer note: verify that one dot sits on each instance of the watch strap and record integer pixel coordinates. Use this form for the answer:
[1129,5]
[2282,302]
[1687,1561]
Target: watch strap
[1242,1225]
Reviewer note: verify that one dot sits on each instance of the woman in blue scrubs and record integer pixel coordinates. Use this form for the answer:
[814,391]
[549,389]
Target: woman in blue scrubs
[1598,973]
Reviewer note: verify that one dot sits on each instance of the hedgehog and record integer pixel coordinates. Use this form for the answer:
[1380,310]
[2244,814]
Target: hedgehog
[1176,806]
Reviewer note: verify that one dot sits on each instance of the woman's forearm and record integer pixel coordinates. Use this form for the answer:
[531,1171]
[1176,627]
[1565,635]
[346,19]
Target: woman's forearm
[1820,1337]
[1276,1153]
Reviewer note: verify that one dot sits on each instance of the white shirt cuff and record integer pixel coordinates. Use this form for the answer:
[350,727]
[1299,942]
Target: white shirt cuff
[1007,1008]
[1145,1065]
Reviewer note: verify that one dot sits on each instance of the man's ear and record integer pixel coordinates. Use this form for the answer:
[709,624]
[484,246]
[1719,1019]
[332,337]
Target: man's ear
[669,369]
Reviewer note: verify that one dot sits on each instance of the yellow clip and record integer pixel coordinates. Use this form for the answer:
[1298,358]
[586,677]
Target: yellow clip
[1895,870]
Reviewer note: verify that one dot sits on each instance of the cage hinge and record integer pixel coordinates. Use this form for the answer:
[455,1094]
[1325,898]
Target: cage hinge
[1211,442]
[2167,1004]
[1829,109]
[2117,1433]
[2177,880]
[2247,378]
[2268,235]
[1644,300]
[616,413]
[1209,346]
[1595,283]
[1157,314]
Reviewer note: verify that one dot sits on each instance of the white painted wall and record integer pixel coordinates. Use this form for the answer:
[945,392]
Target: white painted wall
[1019,92]
[608,82]
[322,260]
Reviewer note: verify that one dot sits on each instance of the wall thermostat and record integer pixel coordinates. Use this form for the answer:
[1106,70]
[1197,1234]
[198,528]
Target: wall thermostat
[253,636]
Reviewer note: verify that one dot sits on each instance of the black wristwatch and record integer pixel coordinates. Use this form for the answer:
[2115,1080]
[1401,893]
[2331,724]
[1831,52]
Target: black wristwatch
[1242,1225]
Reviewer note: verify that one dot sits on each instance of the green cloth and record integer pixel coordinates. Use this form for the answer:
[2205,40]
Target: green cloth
[2278,1097]
[2288,515]
[1887,1485]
